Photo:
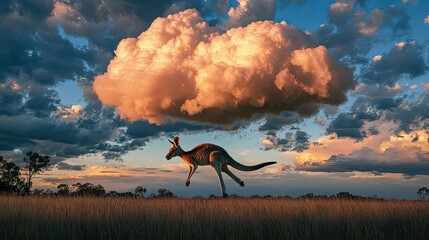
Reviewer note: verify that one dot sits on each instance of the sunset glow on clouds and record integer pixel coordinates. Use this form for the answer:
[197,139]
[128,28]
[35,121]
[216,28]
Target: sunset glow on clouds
[406,153]
[188,70]
[249,11]
[335,91]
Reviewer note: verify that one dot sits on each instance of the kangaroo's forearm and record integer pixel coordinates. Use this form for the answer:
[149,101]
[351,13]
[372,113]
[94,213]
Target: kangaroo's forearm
[191,171]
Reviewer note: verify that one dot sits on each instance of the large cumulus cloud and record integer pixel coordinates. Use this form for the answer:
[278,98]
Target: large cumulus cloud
[181,68]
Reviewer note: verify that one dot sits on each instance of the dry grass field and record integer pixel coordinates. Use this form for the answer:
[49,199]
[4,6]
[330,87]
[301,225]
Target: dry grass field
[253,218]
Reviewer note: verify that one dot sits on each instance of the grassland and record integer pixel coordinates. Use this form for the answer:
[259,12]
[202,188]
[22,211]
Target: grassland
[254,218]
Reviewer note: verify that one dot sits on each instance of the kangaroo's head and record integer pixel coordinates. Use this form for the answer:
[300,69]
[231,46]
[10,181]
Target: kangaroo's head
[175,150]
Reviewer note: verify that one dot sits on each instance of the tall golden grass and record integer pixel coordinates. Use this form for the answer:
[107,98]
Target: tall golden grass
[253,218]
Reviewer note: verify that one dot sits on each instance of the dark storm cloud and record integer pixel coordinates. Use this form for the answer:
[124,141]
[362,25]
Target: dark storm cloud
[10,101]
[28,127]
[91,133]
[352,31]
[104,23]
[41,101]
[116,148]
[351,124]
[34,51]
[34,59]
[403,60]
[391,104]
[297,141]
[37,55]
[412,114]
[385,103]
[371,104]
[9,142]
[366,107]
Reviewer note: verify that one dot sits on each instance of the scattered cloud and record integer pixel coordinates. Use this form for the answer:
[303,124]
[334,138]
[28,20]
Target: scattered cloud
[47,43]
[377,58]
[369,27]
[297,141]
[351,124]
[386,152]
[403,60]
[66,166]
[105,22]
[276,122]
[411,115]
[68,114]
[352,30]
[249,11]
[340,11]
[143,129]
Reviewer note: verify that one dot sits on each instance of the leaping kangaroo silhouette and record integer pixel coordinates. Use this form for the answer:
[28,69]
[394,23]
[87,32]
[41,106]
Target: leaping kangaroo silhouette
[213,155]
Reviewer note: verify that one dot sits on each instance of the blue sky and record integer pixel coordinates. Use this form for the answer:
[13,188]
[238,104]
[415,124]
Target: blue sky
[340,102]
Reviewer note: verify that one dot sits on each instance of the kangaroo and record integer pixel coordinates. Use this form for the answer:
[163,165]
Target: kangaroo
[213,155]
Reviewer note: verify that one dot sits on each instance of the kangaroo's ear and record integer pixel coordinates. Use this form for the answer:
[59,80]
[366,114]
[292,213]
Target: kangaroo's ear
[176,141]
[172,143]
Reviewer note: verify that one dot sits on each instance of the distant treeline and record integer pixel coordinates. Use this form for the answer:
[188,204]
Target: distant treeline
[97,190]
[12,182]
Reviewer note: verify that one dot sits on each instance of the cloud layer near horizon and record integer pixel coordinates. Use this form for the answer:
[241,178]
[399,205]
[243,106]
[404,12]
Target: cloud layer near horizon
[181,68]
[386,152]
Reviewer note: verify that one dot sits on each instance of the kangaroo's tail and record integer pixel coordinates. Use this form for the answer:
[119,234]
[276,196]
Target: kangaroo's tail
[242,167]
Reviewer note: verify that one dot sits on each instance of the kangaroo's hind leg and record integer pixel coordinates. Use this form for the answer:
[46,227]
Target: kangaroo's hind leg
[235,178]
[216,163]
[218,171]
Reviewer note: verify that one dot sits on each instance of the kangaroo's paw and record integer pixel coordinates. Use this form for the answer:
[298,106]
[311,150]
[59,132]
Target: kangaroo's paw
[187,183]
[242,183]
